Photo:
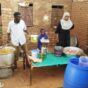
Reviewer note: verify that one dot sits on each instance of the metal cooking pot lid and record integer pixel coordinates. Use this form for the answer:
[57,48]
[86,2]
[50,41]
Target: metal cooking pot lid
[58,47]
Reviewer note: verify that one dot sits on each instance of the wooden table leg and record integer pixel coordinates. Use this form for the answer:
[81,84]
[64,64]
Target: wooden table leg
[23,55]
[30,72]
[30,77]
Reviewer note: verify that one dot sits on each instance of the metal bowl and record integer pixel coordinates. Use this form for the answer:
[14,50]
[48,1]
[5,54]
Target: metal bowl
[72,51]
[58,50]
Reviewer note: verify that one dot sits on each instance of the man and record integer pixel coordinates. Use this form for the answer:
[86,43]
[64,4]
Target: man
[16,34]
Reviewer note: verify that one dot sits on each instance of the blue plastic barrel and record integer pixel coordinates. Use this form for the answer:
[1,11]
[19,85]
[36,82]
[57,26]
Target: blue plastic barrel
[76,76]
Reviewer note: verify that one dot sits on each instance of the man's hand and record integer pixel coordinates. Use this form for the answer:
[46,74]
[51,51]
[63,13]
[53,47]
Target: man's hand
[9,39]
[26,31]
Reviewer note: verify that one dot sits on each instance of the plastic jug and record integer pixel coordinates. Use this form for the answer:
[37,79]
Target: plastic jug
[83,60]
[35,53]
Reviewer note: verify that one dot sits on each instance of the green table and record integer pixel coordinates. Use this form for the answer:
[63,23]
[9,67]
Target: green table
[50,60]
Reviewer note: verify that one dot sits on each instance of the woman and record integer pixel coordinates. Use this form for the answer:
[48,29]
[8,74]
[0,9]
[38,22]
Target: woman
[63,30]
[41,35]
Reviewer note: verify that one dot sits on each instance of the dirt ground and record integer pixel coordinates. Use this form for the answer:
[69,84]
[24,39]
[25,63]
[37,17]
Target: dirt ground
[46,77]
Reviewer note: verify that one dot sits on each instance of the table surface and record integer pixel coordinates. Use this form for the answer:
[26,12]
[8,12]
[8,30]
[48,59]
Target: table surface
[52,60]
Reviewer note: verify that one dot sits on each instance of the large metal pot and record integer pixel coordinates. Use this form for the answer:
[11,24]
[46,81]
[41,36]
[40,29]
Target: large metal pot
[7,59]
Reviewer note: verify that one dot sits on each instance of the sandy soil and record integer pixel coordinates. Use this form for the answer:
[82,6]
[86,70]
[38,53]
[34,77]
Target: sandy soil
[47,77]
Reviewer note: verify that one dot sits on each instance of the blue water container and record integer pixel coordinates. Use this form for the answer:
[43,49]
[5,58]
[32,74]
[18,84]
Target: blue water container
[76,76]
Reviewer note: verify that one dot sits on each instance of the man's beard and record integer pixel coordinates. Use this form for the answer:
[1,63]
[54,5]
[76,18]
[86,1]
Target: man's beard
[16,21]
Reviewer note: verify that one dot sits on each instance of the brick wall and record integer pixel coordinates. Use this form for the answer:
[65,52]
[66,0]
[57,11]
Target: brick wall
[7,8]
[39,10]
[80,18]
[78,11]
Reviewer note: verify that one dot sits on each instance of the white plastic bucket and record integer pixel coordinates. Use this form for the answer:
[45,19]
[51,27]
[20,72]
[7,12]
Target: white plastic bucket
[7,59]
